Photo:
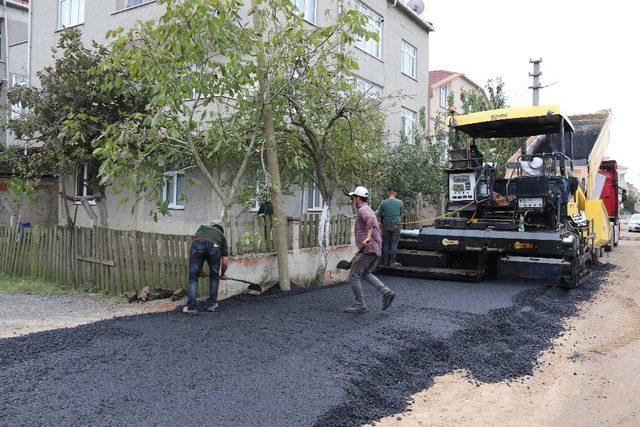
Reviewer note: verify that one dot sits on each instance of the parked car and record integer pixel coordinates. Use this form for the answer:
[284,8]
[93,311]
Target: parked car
[634,222]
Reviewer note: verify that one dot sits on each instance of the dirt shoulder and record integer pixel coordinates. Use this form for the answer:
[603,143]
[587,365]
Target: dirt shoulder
[23,313]
[590,376]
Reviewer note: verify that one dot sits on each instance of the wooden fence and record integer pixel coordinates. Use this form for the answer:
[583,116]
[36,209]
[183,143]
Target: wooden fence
[116,261]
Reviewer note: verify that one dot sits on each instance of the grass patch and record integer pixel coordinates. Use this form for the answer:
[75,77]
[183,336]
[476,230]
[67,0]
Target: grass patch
[22,285]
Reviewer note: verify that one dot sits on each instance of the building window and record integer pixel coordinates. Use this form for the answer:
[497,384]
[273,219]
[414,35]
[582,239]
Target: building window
[308,8]
[374,25]
[70,13]
[314,198]
[132,3]
[409,123]
[173,191]
[445,91]
[368,88]
[17,109]
[409,64]
[85,177]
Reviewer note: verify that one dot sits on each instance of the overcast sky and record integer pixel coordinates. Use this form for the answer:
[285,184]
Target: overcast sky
[590,48]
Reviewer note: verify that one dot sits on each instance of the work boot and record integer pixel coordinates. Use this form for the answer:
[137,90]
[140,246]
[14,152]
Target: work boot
[190,311]
[356,309]
[212,308]
[387,299]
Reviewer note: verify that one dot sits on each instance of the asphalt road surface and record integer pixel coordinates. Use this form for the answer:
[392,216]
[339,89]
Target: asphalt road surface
[273,360]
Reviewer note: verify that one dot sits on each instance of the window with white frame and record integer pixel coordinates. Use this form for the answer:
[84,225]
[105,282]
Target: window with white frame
[365,86]
[85,175]
[409,63]
[70,13]
[314,198]
[445,91]
[374,25]
[173,191]
[308,9]
[409,123]
[17,109]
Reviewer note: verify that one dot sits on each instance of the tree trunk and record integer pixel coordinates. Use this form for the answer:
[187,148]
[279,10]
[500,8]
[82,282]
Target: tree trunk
[324,230]
[279,220]
[63,190]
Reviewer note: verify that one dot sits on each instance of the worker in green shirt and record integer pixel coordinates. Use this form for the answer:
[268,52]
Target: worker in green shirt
[208,244]
[390,214]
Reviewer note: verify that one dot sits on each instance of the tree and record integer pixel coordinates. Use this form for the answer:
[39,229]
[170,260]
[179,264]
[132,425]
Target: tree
[415,166]
[630,203]
[497,150]
[330,133]
[235,77]
[61,118]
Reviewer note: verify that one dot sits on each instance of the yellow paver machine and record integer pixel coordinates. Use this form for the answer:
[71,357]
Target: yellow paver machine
[534,224]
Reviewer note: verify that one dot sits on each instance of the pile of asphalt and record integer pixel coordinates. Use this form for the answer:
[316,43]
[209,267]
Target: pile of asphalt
[274,360]
[502,345]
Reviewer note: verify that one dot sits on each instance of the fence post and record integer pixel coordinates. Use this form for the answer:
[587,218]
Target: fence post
[295,234]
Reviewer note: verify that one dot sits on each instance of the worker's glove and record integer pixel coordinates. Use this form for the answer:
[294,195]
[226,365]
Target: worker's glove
[344,265]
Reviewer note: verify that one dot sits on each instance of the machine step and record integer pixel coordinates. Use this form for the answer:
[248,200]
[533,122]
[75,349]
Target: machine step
[433,273]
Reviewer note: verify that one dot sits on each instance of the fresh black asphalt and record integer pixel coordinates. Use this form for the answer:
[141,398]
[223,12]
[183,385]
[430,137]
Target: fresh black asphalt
[274,360]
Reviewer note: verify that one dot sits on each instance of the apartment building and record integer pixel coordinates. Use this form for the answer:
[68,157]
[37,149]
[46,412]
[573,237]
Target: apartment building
[442,85]
[397,64]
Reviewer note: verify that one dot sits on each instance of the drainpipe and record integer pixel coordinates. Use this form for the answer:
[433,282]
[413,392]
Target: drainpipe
[29,29]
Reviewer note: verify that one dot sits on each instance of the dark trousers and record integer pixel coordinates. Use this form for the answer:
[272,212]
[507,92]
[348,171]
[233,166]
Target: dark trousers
[361,267]
[202,251]
[390,238]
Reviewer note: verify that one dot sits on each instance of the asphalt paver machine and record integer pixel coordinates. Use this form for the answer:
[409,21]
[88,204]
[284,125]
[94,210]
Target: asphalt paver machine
[533,225]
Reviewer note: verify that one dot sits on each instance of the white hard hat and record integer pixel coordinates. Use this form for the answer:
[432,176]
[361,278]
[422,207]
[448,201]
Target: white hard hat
[360,191]
[536,163]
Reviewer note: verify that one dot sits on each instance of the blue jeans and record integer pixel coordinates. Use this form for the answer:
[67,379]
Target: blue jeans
[202,251]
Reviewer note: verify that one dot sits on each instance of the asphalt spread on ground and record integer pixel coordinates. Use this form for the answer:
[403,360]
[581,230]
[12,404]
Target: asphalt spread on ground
[283,360]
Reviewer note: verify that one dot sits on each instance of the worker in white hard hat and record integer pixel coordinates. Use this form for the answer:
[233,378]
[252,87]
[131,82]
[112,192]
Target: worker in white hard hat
[533,167]
[369,242]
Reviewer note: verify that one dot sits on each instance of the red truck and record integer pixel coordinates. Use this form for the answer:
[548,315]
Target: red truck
[610,194]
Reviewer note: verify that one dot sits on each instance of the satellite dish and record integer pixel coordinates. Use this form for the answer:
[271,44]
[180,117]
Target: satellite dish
[416,5]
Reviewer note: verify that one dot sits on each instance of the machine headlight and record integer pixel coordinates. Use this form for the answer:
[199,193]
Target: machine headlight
[568,240]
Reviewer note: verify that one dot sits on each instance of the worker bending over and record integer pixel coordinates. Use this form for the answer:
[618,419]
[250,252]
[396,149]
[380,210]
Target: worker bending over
[369,241]
[208,244]
[390,214]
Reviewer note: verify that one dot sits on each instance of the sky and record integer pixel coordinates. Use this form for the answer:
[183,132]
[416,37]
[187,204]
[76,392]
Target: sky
[590,52]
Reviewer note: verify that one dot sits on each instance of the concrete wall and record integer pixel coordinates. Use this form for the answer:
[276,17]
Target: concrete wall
[262,269]
[43,212]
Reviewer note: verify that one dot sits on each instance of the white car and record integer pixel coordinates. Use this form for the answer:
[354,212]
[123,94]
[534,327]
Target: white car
[634,222]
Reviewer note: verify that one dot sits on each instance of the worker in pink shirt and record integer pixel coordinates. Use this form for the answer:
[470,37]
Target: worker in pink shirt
[369,242]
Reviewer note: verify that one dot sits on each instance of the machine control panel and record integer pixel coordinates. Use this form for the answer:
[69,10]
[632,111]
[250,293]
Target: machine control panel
[530,203]
[462,187]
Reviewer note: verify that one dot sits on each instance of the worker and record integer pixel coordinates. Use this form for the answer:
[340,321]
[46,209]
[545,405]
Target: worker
[390,214]
[533,167]
[208,244]
[368,240]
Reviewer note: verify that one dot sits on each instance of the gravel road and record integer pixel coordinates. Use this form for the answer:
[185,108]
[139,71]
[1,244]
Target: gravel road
[21,313]
[273,360]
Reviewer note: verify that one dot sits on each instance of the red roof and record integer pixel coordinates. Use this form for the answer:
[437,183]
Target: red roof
[439,75]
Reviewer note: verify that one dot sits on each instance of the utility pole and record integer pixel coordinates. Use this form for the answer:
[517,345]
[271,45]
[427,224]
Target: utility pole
[536,80]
